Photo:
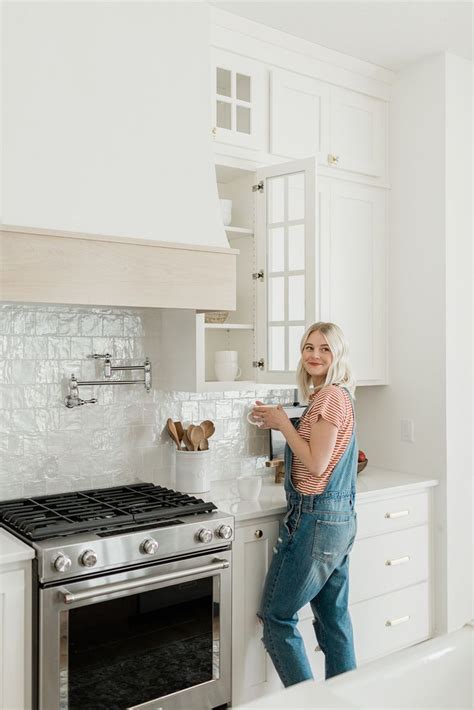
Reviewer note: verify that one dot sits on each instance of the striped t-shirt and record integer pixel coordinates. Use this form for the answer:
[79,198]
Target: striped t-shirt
[333,404]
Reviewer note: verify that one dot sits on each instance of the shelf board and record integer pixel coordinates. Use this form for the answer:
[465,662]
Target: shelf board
[239,230]
[229,326]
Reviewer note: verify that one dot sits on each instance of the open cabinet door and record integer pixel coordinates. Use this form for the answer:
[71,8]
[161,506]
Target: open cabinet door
[287,289]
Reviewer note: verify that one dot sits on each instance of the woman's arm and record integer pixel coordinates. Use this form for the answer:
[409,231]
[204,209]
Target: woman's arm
[316,454]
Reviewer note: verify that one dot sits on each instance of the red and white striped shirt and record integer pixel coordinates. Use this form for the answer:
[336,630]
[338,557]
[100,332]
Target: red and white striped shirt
[333,404]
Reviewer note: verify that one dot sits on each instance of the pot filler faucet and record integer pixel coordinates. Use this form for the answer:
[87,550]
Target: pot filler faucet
[74,400]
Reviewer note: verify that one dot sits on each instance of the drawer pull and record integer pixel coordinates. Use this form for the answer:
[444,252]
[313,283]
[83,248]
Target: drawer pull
[397,514]
[395,622]
[398,561]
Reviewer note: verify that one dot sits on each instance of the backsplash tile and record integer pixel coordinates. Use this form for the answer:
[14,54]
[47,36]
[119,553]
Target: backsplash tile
[47,448]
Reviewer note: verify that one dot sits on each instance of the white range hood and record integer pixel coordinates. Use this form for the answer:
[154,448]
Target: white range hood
[107,131]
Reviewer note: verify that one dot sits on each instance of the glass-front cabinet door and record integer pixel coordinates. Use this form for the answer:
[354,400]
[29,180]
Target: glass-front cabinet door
[237,100]
[287,266]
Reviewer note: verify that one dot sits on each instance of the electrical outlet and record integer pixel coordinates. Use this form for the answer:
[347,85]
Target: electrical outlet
[407,429]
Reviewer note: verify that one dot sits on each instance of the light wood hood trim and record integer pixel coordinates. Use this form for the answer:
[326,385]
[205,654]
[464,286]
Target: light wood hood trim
[42,266]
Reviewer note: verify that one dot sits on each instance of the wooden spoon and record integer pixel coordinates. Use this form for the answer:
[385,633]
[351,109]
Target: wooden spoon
[187,443]
[172,432]
[179,430]
[208,428]
[197,435]
[204,444]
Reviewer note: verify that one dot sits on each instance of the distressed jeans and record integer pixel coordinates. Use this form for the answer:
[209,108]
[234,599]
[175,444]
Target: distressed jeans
[311,564]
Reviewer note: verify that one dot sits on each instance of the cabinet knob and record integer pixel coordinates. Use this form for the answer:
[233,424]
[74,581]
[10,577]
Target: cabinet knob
[333,159]
[258,534]
[214,132]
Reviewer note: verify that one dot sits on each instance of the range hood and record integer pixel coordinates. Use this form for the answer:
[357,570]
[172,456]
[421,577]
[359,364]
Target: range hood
[107,138]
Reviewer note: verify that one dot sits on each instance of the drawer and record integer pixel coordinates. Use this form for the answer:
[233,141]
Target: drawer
[384,563]
[392,514]
[391,622]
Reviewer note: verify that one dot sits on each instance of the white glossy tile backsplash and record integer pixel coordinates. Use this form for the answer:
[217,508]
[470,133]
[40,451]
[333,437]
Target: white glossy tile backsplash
[48,448]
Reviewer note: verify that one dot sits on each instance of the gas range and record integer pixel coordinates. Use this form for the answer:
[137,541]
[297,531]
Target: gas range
[89,532]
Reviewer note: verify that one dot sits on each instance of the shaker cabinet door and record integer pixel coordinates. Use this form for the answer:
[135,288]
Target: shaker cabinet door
[300,116]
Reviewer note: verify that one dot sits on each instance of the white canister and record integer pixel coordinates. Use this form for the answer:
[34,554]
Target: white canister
[192,471]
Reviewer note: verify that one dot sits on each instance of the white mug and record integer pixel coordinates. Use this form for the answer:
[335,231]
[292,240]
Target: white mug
[227,371]
[259,423]
[225,356]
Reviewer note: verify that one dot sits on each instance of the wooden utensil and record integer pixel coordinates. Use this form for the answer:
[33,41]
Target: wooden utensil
[179,430]
[208,428]
[187,443]
[204,444]
[196,436]
[172,432]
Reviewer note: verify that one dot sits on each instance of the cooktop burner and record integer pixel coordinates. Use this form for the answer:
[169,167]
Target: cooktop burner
[98,510]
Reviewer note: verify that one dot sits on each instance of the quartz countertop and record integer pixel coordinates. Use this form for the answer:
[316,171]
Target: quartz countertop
[372,483]
[13,550]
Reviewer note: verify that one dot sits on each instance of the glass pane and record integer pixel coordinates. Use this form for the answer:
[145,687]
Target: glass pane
[243,87]
[276,199]
[223,82]
[224,115]
[120,651]
[296,261]
[276,288]
[276,249]
[276,347]
[296,298]
[296,196]
[243,119]
[295,333]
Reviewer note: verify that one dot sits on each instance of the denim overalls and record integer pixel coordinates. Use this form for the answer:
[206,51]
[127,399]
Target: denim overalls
[311,564]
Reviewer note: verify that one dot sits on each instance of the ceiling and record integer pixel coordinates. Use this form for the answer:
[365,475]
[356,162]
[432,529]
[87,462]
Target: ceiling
[390,33]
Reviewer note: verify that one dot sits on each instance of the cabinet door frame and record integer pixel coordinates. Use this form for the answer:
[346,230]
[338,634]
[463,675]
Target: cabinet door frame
[237,64]
[311,271]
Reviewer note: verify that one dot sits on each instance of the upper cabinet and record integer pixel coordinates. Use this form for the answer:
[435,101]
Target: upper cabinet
[344,129]
[238,96]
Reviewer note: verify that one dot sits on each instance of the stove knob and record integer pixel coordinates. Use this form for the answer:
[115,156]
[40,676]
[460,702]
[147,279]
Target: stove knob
[88,558]
[150,546]
[204,535]
[61,563]
[224,531]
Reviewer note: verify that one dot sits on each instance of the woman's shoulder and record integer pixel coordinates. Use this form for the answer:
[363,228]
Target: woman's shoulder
[331,392]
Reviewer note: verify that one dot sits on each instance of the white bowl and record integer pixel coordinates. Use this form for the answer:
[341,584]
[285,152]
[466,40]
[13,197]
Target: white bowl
[249,487]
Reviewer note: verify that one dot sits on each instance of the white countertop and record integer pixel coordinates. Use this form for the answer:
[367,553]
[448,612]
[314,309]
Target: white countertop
[13,550]
[372,483]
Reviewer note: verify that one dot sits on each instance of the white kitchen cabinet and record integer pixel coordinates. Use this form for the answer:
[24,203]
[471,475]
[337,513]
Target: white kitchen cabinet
[15,624]
[253,674]
[353,276]
[346,130]
[238,98]
[390,587]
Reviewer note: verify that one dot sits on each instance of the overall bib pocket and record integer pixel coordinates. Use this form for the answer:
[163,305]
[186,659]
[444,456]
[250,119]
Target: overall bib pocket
[332,533]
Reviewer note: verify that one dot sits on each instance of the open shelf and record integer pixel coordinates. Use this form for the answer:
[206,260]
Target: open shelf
[229,326]
[239,230]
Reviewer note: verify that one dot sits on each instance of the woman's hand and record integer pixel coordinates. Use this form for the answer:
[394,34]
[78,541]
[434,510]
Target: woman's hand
[270,417]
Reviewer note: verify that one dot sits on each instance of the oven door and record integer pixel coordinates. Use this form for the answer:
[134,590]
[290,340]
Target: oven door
[155,637]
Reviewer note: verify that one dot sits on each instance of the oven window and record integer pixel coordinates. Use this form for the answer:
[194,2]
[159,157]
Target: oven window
[134,649]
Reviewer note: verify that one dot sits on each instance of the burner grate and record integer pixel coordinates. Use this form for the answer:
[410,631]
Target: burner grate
[97,510]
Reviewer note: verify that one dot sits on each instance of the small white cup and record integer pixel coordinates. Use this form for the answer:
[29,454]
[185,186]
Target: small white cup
[249,487]
[222,356]
[226,209]
[256,422]
[227,371]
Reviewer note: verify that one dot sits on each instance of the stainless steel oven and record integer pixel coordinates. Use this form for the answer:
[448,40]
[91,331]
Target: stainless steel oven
[156,637]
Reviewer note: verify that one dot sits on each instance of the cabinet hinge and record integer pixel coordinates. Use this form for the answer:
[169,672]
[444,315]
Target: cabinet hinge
[259,363]
[259,187]
[258,275]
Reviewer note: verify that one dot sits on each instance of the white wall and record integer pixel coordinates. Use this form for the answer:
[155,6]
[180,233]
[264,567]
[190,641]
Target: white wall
[107,119]
[430,314]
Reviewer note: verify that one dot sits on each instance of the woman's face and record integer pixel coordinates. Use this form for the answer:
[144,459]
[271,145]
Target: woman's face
[317,357]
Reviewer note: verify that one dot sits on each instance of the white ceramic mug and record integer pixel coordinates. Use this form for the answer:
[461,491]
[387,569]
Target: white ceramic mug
[225,356]
[257,422]
[227,371]
[249,487]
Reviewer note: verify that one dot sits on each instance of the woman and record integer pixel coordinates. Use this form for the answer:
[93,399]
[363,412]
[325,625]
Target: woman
[311,558]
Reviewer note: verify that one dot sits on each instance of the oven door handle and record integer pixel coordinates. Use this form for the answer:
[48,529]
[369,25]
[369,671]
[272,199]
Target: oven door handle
[69,597]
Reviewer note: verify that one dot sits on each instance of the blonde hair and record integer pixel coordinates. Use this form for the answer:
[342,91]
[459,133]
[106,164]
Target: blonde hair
[339,372]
